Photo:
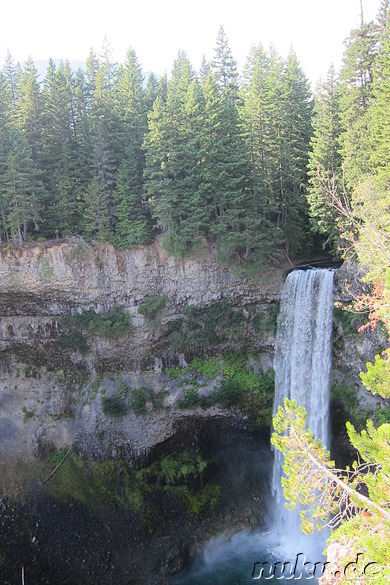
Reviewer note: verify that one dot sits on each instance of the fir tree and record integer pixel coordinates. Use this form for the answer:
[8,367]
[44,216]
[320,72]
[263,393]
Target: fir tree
[21,188]
[325,159]
[96,212]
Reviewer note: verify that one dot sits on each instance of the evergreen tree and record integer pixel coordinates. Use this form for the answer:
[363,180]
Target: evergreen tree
[151,91]
[96,212]
[106,128]
[59,152]
[226,162]
[30,108]
[12,75]
[133,223]
[172,157]
[205,69]
[296,134]
[225,68]
[132,112]
[21,188]
[378,114]
[82,129]
[325,159]
[256,131]
[5,128]
[355,95]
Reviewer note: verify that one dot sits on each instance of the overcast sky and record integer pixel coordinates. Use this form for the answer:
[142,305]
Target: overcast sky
[157,29]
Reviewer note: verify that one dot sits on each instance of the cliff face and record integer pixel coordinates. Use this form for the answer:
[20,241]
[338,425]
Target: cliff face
[40,283]
[49,393]
[50,279]
[52,394]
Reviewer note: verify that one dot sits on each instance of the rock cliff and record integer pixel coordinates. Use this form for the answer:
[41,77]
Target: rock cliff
[55,381]
[49,393]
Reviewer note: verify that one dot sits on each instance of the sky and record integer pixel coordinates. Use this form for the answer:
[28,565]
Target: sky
[157,29]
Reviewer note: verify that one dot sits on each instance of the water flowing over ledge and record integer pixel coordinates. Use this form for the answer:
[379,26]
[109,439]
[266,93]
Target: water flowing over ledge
[302,363]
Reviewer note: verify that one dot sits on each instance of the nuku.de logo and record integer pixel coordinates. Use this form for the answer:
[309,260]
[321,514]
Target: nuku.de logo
[303,569]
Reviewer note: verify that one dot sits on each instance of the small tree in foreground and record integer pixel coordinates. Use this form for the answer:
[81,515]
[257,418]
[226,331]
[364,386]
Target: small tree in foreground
[335,497]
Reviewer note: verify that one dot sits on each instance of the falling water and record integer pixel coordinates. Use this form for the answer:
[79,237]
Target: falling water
[302,369]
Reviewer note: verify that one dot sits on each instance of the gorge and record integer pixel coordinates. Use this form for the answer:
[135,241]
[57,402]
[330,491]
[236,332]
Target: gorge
[182,457]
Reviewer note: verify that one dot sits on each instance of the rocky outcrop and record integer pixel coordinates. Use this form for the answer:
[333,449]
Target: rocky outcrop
[49,393]
[51,279]
[52,395]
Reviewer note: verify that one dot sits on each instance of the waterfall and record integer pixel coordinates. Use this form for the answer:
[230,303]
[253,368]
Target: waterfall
[302,369]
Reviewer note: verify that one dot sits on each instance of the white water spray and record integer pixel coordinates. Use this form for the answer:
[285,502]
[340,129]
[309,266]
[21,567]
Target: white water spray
[302,370]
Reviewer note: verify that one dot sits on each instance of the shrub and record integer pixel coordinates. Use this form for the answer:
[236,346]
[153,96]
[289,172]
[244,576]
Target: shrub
[182,477]
[111,324]
[114,406]
[152,307]
[252,393]
[267,319]
[190,398]
[229,393]
[204,326]
[209,368]
[76,341]
[139,398]
[174,373]
[350,321]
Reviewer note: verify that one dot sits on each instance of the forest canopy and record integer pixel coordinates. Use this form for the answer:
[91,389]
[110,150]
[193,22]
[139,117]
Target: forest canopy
[244,161]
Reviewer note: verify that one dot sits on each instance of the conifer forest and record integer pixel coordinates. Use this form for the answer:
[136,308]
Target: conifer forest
[245,161]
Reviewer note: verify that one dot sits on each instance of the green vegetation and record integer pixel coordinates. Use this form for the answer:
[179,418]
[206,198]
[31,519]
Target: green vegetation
[349,202]
[75,340]
[266,320]
[182,477]
[109,484]
[111,324]
[141,396]
[27,414]
[205,326]
[349,320]
[98,152]
[239,386]
[114,405]
[209,368]
[136,399]
[312,480]
[152,307]
[346,406]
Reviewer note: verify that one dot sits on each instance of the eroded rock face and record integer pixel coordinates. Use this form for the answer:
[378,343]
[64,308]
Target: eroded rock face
[52,278]
[41,283]
[51,396]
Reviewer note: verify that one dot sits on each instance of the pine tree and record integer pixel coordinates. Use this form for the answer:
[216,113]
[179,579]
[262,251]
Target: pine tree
[133,224]
[132,112]
[172,156]
[12,76]
[30,108]
[59,155]
[151,91]
[5,128]
[107,134]
[225,159]
[261,210]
